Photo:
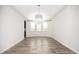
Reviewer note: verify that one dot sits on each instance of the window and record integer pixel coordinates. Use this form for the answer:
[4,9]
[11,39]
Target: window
[45,25]
[38,27]
[32,26]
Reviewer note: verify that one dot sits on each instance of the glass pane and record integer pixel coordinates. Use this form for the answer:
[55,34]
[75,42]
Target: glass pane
[38,27]
[32,26]
[45,25]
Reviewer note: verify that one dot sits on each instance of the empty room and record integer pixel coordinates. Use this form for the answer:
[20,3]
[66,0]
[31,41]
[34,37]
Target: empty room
[39,29]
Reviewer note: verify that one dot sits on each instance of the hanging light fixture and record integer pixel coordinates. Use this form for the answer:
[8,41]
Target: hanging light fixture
[39,15]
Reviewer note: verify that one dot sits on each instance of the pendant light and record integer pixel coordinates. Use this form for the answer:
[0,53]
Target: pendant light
[38,15]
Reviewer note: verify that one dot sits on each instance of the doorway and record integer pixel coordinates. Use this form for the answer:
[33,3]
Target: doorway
[24,29]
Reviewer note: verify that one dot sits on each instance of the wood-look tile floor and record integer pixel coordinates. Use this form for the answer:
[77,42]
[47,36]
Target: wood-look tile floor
[39,45]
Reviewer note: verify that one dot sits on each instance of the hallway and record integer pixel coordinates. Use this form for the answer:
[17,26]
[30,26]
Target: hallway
[39,45]
[39,24]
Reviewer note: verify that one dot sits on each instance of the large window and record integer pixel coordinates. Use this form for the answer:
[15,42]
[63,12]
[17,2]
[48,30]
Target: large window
[32,26]
[38,26]
[45,26]
[38,23]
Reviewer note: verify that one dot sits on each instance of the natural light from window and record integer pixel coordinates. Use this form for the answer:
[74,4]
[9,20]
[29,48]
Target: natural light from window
[38,22]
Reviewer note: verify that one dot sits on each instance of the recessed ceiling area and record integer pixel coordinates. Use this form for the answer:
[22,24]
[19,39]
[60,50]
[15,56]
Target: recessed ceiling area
[48,10]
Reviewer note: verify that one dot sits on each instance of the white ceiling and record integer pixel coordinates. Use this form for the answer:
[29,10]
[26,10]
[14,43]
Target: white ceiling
[49,10]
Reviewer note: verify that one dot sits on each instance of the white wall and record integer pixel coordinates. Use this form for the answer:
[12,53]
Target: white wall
[47,33]
[11,28]
[66,28]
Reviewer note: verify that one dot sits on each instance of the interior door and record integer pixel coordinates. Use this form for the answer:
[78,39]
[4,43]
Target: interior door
[24,28]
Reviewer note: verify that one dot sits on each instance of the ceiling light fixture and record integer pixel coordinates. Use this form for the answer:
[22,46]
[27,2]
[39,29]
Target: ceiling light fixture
[38,15]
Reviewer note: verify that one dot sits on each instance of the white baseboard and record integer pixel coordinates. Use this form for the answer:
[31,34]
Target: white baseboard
[11,46]
[67,46]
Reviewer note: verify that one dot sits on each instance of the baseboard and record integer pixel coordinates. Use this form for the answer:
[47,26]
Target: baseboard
[10,46]
[67,46]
